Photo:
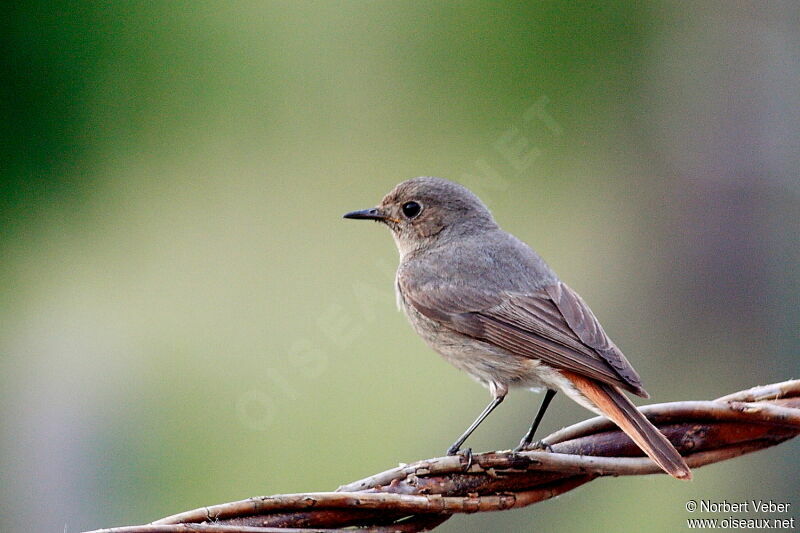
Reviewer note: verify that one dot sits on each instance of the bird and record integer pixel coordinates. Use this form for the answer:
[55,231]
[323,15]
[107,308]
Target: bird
[491,306]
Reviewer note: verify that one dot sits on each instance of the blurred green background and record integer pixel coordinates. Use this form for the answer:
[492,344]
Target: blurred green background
[186,320]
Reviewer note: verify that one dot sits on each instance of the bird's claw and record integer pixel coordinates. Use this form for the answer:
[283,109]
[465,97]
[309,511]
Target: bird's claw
[538,445]
[541,445]
[466,453]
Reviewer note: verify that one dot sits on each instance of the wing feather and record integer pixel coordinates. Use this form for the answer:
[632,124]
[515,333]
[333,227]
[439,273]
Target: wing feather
[552,324]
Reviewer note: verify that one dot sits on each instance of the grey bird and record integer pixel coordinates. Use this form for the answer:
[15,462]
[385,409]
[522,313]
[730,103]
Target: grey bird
[492,307]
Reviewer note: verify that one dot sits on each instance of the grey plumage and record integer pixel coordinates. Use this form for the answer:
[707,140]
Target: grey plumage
[492,307]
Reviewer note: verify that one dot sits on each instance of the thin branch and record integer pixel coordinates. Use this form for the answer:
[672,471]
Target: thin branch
[420,496]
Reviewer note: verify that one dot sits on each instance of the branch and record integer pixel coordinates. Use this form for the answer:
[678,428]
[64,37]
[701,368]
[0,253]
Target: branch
[422,495]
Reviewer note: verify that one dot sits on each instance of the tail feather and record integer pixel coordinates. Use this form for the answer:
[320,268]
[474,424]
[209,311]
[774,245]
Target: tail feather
[616,406]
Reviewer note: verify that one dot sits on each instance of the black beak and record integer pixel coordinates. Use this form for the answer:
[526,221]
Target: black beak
[366,214]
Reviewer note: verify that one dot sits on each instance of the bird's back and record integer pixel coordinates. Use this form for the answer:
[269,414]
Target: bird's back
[493,260]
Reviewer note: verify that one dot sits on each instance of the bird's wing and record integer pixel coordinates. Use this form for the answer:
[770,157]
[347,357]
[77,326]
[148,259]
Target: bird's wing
[584,324]
[552,324]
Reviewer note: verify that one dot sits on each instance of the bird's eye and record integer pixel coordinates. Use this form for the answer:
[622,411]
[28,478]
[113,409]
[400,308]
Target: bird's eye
[411,209]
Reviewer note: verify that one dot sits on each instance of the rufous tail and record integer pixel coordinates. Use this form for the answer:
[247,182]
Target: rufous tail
[616,406]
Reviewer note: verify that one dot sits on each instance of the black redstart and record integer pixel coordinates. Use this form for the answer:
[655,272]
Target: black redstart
[492,307]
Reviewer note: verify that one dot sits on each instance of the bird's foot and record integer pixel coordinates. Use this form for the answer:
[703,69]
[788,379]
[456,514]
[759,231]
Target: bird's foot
[453,450]
[538,445]
[468,455]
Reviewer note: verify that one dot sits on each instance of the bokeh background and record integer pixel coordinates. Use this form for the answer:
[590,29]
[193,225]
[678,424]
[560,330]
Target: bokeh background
[185,319]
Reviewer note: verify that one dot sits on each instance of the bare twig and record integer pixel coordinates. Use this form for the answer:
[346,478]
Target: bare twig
[422,495]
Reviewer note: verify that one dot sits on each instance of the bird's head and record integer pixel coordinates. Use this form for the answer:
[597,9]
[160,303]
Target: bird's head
[421,212]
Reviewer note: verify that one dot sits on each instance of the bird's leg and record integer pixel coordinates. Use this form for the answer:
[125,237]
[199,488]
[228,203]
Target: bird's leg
[499,394]
[528,438]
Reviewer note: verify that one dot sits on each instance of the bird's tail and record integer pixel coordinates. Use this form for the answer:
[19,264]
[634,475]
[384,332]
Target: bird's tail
[616,406]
